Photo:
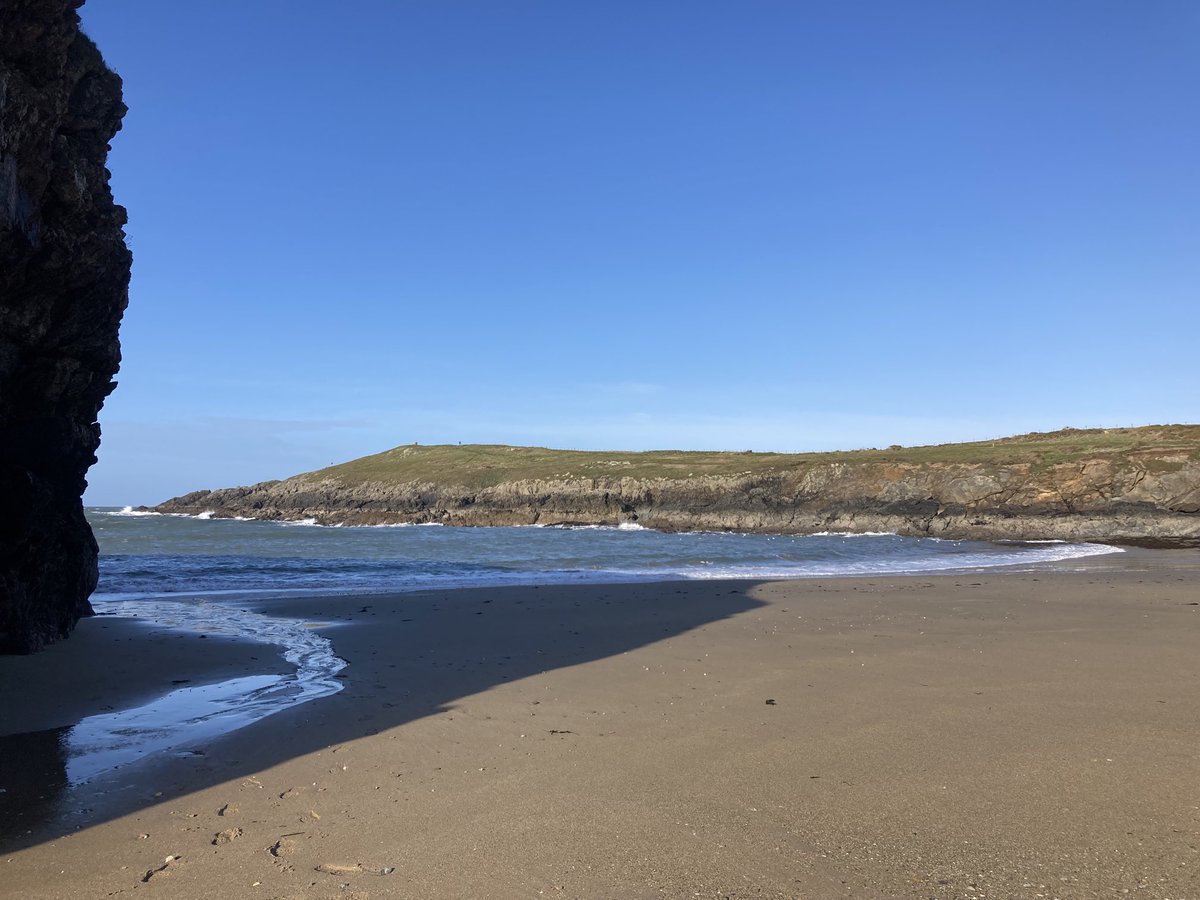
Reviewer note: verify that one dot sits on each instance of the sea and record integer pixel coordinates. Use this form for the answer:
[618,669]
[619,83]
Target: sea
[196,573]
[146,554]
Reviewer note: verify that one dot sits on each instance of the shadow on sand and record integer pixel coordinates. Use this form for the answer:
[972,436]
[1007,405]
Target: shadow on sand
[410,656]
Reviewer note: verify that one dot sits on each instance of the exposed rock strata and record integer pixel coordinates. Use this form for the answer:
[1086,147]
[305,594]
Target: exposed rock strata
[64,276]
[1126,499]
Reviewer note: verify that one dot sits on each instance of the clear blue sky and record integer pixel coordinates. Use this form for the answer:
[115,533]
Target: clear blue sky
[745,225]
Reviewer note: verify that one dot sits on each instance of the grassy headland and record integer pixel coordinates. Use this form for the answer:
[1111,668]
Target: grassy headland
[486,465]
[1117,484]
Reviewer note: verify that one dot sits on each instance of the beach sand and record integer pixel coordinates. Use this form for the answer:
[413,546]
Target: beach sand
[984,735]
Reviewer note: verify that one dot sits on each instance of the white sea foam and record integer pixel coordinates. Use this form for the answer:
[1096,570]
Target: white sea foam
[853,534]
[129,511]
[313,523]
[392,525]
[210,516]
[621,526]
[194,715]
[831,569]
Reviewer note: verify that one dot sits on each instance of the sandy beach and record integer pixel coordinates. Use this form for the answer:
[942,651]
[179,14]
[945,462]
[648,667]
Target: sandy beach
[987,735]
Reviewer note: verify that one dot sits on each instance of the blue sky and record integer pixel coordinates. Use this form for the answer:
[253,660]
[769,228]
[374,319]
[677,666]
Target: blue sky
[751,225]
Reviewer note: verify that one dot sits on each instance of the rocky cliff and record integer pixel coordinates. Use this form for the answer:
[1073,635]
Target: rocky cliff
[64,276]
[1125,485]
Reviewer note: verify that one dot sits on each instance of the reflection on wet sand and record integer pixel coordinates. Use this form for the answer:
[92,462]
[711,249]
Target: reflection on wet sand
[39,769]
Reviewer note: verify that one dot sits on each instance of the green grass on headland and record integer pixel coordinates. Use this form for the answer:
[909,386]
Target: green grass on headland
[484,465]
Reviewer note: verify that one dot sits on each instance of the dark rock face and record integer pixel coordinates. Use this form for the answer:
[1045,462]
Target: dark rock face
[64,278]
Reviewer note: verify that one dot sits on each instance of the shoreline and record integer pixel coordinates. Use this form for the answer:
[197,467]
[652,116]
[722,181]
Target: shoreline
[582,578]
[442,684]
[92,673]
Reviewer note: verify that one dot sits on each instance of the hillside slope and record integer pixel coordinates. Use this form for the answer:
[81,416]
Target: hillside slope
[1137,485]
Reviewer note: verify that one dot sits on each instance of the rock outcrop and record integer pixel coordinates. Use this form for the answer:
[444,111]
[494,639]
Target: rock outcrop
[1147,496]
[64,277]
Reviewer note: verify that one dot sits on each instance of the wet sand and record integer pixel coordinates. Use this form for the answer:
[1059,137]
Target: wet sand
[111,663]
[986,735]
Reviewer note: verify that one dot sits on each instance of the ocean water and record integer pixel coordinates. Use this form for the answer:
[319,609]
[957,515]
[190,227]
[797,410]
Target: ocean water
[146,555]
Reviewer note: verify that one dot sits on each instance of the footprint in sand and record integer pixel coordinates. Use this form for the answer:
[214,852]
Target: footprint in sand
[282,850]
[226,836]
